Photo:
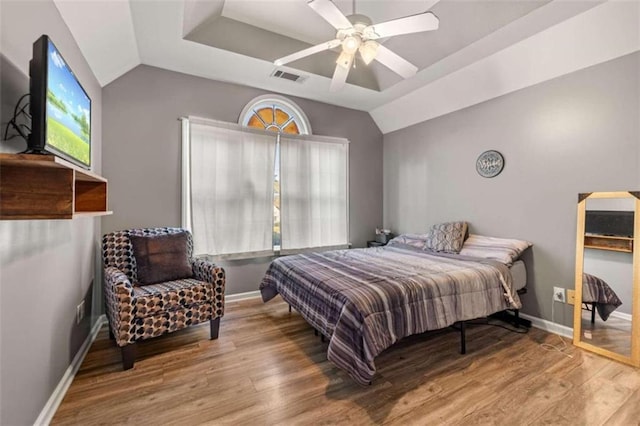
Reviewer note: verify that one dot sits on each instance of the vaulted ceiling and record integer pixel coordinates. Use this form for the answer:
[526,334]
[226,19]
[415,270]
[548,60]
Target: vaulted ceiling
[237,41]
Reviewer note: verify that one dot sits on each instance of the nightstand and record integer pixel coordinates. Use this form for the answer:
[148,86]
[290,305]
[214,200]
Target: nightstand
[375,244]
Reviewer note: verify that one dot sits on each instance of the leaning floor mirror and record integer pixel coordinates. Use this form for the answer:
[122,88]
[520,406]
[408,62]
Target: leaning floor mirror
[607,281]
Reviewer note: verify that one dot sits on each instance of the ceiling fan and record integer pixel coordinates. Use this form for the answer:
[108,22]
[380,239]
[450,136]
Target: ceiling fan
[356,33]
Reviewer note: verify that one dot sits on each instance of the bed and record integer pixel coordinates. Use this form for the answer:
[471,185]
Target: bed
[365,300]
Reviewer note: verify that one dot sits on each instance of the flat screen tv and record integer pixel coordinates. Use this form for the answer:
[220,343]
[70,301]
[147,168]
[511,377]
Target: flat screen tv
[60,108]
[609,222]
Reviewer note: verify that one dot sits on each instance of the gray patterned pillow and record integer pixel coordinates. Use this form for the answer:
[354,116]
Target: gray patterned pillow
[446,237]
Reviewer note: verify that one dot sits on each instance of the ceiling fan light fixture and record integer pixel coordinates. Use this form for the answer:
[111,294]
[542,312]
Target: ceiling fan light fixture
[351,44]
[368,51]
[356,33]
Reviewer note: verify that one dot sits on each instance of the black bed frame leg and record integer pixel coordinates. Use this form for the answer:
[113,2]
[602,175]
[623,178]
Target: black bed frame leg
[593,313]
[516,314]
[322,337]
[463,343]
[289,308]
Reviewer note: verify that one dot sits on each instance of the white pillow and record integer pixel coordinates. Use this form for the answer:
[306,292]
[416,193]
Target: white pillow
[413,240]
[504,250]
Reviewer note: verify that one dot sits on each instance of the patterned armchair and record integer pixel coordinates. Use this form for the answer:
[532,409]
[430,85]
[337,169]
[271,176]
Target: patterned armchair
[138,312]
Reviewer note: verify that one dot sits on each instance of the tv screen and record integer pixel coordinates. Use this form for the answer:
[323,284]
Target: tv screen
[60,107]
[610,222]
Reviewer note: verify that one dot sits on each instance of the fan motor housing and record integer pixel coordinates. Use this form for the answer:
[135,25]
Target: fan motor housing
[359,20]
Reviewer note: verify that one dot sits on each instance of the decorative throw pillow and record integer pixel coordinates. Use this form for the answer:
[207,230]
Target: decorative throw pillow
[161,257]
[446,237]
[504,250]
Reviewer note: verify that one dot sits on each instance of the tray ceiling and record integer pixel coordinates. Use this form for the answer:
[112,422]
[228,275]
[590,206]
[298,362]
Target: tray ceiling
[237,40]
[269,30]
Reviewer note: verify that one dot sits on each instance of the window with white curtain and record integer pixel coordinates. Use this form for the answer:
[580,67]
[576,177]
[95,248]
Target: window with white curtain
[250,192]
[313,191]
[230,204]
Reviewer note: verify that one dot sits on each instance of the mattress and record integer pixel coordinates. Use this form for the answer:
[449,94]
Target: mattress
[519,274]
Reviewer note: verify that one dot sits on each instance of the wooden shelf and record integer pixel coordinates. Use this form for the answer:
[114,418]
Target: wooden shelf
[608,242]
[47,187]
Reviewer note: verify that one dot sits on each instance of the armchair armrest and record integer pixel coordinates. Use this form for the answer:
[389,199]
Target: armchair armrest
[204,270]
[120,304]
[115,278]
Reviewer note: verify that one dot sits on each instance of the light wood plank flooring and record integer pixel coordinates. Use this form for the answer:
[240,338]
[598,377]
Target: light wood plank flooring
[613,334]
[267,367]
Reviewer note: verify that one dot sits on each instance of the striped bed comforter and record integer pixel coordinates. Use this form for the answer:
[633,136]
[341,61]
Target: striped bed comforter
[365,300]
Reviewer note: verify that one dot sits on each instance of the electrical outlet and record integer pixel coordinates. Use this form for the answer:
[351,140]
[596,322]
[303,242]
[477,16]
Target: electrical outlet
[79,312]
[558,295]
[571,297]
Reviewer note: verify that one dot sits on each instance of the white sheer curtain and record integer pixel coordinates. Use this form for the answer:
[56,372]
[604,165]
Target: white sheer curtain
[231,188]
[314,192]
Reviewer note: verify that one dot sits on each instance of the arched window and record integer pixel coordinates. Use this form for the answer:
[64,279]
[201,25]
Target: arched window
[275,113]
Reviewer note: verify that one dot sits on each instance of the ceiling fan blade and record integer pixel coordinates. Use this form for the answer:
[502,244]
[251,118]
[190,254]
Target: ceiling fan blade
[340,75]
[411,24]
[395,63]
[330,12]
[307,52]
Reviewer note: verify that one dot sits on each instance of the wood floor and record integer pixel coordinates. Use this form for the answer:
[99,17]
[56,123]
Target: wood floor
[267,368]
[613,334]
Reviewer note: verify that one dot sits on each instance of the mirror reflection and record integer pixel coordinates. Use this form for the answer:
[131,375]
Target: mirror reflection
[607,279]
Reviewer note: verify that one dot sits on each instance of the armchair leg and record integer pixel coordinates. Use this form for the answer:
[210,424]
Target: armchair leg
[128,356]
[214,324]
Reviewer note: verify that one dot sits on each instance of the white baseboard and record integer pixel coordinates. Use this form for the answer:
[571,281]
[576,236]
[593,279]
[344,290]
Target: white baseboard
[563,330]
[241,296]
[620,315]
[60,391]
[549,326]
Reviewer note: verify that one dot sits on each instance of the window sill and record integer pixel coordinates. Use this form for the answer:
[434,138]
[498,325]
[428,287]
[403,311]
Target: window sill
[268,254]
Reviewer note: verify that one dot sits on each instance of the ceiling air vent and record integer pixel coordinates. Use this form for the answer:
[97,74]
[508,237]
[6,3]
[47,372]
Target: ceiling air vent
[288,76]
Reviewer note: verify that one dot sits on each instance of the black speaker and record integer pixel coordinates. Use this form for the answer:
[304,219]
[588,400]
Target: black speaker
[607,222]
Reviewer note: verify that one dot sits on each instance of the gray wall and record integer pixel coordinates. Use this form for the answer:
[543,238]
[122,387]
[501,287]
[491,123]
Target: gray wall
[47,267]
[141,155]
[577,133]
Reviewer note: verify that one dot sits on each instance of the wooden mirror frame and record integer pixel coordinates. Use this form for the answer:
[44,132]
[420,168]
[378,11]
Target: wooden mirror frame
[634,359]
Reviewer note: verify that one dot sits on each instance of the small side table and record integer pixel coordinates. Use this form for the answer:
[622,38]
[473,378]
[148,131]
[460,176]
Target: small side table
[375,244]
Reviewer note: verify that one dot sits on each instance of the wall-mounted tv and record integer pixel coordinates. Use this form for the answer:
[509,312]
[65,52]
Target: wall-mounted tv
[60,108]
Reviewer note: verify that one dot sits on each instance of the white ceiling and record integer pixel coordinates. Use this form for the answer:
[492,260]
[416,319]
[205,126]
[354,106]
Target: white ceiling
[116,36]
[295,19]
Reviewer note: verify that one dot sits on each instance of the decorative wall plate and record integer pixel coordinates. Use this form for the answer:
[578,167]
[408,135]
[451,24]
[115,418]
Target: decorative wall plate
[489,164]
